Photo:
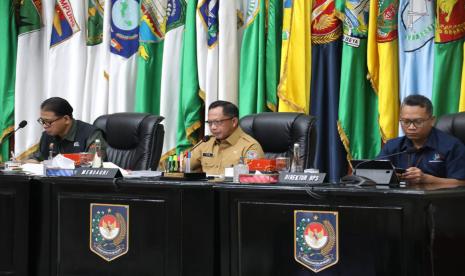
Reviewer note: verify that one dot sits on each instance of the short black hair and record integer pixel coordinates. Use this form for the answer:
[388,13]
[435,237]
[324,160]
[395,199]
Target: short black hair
[57,105]
[419,100]
[229,109]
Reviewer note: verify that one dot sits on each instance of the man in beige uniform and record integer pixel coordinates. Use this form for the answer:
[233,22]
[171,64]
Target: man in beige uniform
[227,144]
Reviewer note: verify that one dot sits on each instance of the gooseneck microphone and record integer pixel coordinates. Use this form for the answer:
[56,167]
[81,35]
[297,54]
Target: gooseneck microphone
[21,125]
[407,151]
[204,139]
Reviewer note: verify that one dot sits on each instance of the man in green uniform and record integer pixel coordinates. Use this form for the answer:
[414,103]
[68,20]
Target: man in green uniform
[63,132]
[227,144]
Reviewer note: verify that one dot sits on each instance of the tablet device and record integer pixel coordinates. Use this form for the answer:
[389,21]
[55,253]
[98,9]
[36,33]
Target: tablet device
[371,164]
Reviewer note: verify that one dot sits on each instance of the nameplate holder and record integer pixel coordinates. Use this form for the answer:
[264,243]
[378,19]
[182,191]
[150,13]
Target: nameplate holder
[301,178]
[183,176]
[98,172]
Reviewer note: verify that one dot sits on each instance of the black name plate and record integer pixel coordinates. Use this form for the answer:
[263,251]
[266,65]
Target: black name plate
[301,178]
[99,173]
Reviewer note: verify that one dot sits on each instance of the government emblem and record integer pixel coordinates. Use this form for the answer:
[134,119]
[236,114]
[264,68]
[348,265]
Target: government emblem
[124,29]
[316,243]
[64,23]
[109,230]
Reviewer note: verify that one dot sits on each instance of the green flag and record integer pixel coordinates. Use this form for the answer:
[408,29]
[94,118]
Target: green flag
[190,103]
[152,33]
[358,106]
[252,93]
[273,52]
[448,56]
[8,44]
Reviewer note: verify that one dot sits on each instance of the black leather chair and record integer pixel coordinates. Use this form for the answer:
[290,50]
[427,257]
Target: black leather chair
[278,131]
[453,124]
[135,140]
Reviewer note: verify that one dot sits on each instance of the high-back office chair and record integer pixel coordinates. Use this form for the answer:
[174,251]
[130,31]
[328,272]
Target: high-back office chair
[278,131]
[453,124]
[135,140]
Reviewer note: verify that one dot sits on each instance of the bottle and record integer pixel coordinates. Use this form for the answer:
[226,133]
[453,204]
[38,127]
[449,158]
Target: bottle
[175,163]
[296,165]
[240,168]
[187,164]
[97,162]
[50,151]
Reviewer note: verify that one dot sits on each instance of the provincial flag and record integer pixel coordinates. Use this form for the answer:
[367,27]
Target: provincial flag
[30,74]
[207,50]
[326,68]
[150,56]
[448,55]
[252,82]
[273,52]
[190,112]
[8,47]
[383,63]
[122,66]
[358,105]
[416,47]
[171,74]
[228,50]
[296,59]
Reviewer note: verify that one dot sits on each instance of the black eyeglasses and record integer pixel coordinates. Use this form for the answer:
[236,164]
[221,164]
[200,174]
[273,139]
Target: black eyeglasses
[217,122]
[48,123]
[418,123]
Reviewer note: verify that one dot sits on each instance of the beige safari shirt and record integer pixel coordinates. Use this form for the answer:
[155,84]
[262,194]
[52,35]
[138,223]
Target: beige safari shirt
[214,156]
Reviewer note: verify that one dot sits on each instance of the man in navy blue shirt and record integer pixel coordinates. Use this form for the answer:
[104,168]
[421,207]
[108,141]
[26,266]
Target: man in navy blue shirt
[432,156]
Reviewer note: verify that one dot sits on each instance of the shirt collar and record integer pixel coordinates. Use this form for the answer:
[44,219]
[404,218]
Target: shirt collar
[431,141]
[233,138]
[72,132]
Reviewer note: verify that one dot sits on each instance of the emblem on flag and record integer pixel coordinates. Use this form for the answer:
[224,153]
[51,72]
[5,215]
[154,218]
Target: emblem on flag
[417,18]
[95,22]
[124,27]
[316,243]
[64,24]
[30,16]
[356,18]
[326,27]
[153,21]
[387,21]
[109,230]
[209,15]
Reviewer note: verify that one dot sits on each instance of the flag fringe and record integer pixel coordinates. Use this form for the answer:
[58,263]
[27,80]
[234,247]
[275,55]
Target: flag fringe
[25,154]
[345,141]
[6,131]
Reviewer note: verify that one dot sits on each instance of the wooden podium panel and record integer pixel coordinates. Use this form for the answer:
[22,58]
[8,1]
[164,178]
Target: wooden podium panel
[14,225]
[169,227]
[381,232]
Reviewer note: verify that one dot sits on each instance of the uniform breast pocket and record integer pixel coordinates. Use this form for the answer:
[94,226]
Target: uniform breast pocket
[207,162]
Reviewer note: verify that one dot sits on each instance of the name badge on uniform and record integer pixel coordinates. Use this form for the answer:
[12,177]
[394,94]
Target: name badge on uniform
[207,154]
[76,144]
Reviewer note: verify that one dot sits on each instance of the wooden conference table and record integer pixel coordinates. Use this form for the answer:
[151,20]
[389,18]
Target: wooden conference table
[210,228]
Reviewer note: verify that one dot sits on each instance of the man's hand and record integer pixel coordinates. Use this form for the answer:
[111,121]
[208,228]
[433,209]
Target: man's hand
[414,175]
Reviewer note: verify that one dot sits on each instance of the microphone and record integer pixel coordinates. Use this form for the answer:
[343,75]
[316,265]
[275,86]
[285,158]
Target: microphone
[21,125]
[407,151]
[204,139]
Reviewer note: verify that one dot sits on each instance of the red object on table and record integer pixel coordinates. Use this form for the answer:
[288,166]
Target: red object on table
[263,165]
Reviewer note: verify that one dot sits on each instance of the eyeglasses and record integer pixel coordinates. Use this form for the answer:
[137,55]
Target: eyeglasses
[217,122]
[418,123]
[48,123]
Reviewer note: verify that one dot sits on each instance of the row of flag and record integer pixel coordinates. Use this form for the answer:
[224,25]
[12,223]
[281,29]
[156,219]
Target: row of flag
[347,62]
